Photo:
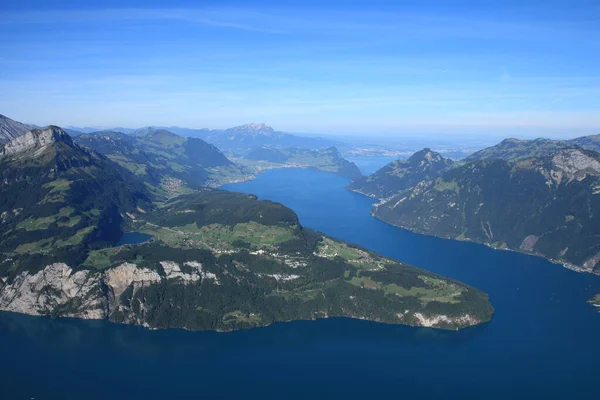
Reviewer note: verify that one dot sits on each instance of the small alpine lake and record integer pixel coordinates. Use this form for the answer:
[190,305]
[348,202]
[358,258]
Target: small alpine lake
[133,238]
[543,340]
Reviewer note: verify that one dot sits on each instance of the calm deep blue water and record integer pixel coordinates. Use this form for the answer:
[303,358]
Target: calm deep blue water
[133,238]
[543,341]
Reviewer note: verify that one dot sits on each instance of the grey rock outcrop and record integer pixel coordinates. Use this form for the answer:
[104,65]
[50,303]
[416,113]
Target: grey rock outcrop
[10,129]
[53,289]
[60,291]
[37,140]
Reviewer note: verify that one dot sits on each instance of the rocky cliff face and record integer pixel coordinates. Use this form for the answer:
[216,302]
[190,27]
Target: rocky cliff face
[10,129]
[573,164]
[127,294]
[55,290]
[58,290]
[36,140]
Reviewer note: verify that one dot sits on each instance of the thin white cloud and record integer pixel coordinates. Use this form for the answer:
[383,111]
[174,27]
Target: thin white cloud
[315,21]
[219,18]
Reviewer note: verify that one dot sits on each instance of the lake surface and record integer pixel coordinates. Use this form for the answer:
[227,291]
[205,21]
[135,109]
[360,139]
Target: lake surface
[133,238]
[543,341]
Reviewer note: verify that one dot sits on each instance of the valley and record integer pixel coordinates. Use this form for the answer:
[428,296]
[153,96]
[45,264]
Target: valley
[215,260]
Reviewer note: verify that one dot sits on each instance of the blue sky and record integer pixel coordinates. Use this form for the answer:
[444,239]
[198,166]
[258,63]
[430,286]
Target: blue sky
[511,68]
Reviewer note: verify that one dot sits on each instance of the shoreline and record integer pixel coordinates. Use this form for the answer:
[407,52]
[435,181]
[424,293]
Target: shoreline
[562,263]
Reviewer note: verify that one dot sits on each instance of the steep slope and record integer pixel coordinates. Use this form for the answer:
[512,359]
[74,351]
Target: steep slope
[225,261]
[163,159]
[329,160]
[10,129]
[548,206]
[58,200]
[341,166]
[400,175]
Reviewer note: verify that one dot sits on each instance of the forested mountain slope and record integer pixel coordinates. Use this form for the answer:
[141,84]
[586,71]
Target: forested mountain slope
[224,261]
[548,205]
[401,174]
[58,200]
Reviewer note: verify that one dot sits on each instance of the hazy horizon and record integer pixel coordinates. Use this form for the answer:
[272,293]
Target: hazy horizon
[399,135]
[327,68]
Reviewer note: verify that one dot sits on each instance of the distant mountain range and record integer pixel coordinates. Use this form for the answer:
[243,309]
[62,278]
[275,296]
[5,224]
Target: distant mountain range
[238,140]
[76,131]
[244,138]
[329,159]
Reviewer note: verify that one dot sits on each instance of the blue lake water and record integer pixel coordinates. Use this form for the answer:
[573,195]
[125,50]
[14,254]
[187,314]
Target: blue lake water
[133,238]
[543,341]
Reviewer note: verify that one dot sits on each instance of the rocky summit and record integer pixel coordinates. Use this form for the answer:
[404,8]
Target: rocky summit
[259,128]
[36,140]
[401,174]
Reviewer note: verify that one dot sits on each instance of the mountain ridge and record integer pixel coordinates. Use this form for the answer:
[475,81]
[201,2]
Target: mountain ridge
[35,139]
[401,174]
[545,205]
[163,159]
[10,129]
[244,138]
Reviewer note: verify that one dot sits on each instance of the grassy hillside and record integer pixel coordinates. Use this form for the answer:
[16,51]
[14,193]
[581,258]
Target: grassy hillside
[169,163]
[59,200]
